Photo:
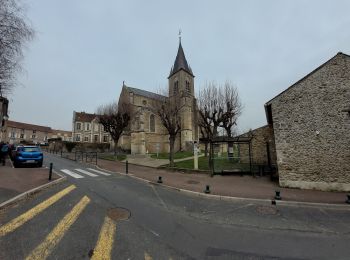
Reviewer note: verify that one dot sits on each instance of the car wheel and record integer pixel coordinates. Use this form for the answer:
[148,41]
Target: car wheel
[15,164]
[40,164]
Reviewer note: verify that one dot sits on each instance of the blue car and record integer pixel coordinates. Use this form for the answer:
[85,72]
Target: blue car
[28,155]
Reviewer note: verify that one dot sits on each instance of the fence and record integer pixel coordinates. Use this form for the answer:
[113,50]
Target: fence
[78,156]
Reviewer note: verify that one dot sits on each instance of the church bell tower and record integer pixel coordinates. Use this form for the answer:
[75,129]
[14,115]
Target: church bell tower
[181,86]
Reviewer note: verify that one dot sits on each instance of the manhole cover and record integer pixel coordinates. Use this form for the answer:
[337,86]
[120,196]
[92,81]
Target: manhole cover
[118,214]
[192,182]
[266,210]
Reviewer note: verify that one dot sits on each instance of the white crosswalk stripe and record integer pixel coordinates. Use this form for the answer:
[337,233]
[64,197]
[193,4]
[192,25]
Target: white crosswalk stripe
[100,172]
[86,172]
[73,174]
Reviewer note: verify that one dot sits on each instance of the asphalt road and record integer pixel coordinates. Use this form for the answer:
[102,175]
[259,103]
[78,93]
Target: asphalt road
[118,216]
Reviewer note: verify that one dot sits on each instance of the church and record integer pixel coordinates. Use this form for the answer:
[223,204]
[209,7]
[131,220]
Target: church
[146,134]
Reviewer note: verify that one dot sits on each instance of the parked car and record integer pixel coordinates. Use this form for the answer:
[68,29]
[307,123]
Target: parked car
[28,155]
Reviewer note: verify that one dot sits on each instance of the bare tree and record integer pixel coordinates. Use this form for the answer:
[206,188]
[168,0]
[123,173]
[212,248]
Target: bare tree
[210,102]
[219,106]
[168,110]
[14,33]
[115,119]
[232,108]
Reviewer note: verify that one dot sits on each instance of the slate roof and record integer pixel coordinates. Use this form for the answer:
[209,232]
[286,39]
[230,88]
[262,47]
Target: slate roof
[84,117]
[180,63]
[25,126]
[145,93]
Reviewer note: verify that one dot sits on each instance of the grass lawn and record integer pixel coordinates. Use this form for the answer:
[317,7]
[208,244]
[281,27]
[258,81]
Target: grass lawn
[188,164]
[219,164]
[178,155]
[112,157]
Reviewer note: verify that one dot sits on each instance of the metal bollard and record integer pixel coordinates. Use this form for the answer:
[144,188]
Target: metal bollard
[126,167]
[348,201]
[278,195]
[160,179]
[50,172]
[207,189]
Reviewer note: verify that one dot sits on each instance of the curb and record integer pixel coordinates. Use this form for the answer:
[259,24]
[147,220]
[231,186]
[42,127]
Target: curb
[32,191]
[239,199]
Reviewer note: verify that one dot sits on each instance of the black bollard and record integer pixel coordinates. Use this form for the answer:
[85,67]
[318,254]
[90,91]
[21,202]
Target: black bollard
[160,179]
[126,167]
[278,195]
[207,189]
[50,172]
[348,201]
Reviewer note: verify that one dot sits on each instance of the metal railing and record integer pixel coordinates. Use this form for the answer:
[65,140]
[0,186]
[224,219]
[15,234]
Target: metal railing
[78,156]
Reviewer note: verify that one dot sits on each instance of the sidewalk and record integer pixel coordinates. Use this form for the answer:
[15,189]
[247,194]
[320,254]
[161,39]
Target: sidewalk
[15,181]
[152,162]
[233,186]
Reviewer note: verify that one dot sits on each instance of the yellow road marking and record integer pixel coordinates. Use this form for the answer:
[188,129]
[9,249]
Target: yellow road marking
[43,250]
[147,256]
[105,240]
[20,220]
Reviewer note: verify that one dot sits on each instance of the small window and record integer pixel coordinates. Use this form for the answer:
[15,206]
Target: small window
[86,139]
[21,136]
[33,136]
[105,129]
[144,102]
[34,131]
[105,138]
[152,125]
[176,87]
[78,126]
[188,88]
[13,134]
[77,138]
[87,126]
[95,138]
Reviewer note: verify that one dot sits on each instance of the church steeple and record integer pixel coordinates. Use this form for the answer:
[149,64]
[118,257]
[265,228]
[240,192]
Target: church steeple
[180,62]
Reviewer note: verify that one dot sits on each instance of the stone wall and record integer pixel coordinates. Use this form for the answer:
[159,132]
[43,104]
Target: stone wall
[312,130]
[262,142]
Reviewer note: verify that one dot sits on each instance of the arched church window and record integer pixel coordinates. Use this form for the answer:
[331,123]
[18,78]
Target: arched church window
[176,87]
[188,89]
[152,123]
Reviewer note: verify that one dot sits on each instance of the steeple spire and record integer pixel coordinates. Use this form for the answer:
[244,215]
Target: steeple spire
[180,61]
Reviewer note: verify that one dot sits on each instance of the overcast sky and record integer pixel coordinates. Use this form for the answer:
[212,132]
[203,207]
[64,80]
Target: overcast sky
[84,49]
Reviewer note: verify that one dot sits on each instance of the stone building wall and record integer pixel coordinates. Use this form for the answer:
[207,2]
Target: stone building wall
[262,142]
[312,130]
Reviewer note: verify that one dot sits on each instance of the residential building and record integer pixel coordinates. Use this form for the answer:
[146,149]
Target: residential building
[87,129]
[310,124]
[64,135]
[18,132]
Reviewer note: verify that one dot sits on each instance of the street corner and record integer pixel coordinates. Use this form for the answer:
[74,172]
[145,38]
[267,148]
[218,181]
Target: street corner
[18,183]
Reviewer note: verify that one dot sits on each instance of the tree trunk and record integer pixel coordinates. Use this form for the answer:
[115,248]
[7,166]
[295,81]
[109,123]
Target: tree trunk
[115,147]
[171,153]
[206,149]
[210,159]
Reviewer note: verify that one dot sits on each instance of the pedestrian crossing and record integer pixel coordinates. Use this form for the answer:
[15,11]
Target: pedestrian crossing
[46,246]
[82,173]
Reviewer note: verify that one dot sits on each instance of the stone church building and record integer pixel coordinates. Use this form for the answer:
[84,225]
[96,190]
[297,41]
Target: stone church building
[146,134]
